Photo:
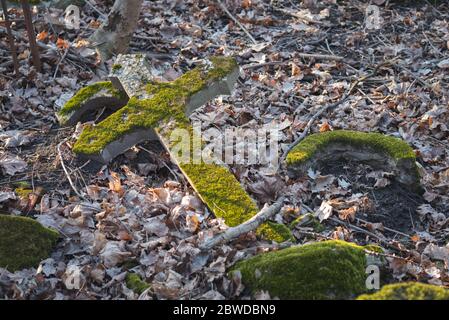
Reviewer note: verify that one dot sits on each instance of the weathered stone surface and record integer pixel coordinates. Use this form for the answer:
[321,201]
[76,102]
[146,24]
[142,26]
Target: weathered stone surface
[154,111]
[378,150]
[89,99]
[24,242]
[129,74]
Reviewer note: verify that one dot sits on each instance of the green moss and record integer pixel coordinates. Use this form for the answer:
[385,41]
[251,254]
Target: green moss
[224,195]
[24,242]
[394,147]
[23,192]
[275,231]
[135,283]
[86,93]
[22,184]
[221,191]
[323,270]
[374,248]
[308,220]
[408,291]
[116,67]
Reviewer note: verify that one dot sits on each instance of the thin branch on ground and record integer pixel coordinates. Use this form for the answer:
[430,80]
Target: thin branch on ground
[223,7]
[61,159]
[245,227]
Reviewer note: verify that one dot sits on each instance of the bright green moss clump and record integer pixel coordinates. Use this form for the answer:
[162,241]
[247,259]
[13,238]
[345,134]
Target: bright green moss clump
[223,194]
[24,242]
[135,283]
[87,93]
[221,191]
[323,270]
[408,291]
[23,192]
[394,147]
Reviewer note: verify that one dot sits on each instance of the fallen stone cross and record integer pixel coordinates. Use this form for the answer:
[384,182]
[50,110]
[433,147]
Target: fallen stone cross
[151,110]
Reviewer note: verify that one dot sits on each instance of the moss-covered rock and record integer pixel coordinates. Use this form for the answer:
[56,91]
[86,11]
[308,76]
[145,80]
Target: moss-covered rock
[323,270]
[408,291]
[135,283]
[24,242]
[377,149]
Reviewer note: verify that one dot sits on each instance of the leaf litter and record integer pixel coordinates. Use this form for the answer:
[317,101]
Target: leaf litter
[141,216]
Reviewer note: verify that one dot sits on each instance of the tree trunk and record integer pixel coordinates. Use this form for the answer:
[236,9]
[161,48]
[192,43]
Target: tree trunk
[114,35]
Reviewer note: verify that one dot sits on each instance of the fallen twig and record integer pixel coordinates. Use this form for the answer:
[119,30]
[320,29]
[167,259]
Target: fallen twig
[59,63]
[223,7]
[66,172]
[245,227]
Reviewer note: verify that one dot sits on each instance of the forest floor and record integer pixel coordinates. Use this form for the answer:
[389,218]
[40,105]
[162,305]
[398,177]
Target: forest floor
[140,215]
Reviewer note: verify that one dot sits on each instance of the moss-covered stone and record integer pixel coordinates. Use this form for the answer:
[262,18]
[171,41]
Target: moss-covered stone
[23,192]
[323,270]
[166,103]
[394,147]
[24,242]
[87,93]
[378,149]
[408,291]
[135,283]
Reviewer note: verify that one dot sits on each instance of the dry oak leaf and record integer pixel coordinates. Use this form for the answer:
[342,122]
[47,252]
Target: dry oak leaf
[115,183]
[325,127]
[41,36]
[62,44]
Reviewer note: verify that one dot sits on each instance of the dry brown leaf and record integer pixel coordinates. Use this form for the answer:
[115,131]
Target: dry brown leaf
[348,214]
[41,36]
[296,71]
[325,127]
[192,222]
[124,235]
[115,183]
